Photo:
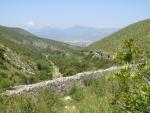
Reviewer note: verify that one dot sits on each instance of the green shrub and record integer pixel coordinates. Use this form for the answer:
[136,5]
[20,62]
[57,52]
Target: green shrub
[3,75]
[2,51]
[5,83]
[133,93]
[4,66]
[43,75]
[42,65]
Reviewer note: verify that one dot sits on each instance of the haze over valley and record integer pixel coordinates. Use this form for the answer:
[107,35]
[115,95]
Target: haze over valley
[74,34]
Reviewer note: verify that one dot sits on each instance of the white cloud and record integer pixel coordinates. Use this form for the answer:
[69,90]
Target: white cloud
[30,24]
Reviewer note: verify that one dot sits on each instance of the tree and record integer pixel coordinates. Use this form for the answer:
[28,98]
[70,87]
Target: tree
[2,51]
[130,52]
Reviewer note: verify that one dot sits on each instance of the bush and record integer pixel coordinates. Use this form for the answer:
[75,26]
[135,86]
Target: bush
[5,83]
[45,70]
[133,93]
[42,66]
[2,51]
[43,75]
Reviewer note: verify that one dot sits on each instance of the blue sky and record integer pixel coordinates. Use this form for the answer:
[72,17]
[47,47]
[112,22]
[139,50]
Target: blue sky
[66,13]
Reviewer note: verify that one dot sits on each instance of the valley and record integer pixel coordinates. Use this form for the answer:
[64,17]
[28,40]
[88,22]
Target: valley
[38,74]
[26,58]
[74,56]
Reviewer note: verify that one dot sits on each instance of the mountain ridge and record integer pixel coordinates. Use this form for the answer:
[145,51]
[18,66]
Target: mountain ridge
[139,31]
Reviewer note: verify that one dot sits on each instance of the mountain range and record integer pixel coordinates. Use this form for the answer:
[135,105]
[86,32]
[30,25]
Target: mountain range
[74,34]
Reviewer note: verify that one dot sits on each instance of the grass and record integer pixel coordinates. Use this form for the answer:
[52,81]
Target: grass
[95,97]
[45,101]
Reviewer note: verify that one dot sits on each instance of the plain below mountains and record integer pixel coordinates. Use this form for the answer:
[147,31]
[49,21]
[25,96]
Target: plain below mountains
[74,34]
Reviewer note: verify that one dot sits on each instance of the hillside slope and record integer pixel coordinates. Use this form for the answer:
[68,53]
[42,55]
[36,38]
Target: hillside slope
[24,57]
[22,37]
[139,31]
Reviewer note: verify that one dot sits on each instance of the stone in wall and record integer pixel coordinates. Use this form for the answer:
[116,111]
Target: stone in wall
[61,84]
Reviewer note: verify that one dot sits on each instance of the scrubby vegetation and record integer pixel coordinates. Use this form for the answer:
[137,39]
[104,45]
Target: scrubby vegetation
[132,93]
[26,59]
[45,101]
[30,59]
[70,65]
[94,97]
[126,91]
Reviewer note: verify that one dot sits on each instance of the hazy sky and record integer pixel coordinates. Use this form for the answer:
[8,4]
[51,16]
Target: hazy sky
[65,13]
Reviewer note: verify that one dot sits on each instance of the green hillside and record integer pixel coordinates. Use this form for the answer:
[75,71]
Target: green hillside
[22,37]
[24,58]
[139,31]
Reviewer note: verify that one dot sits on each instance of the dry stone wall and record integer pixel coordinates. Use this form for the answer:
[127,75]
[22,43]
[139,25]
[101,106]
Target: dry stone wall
[61,84]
